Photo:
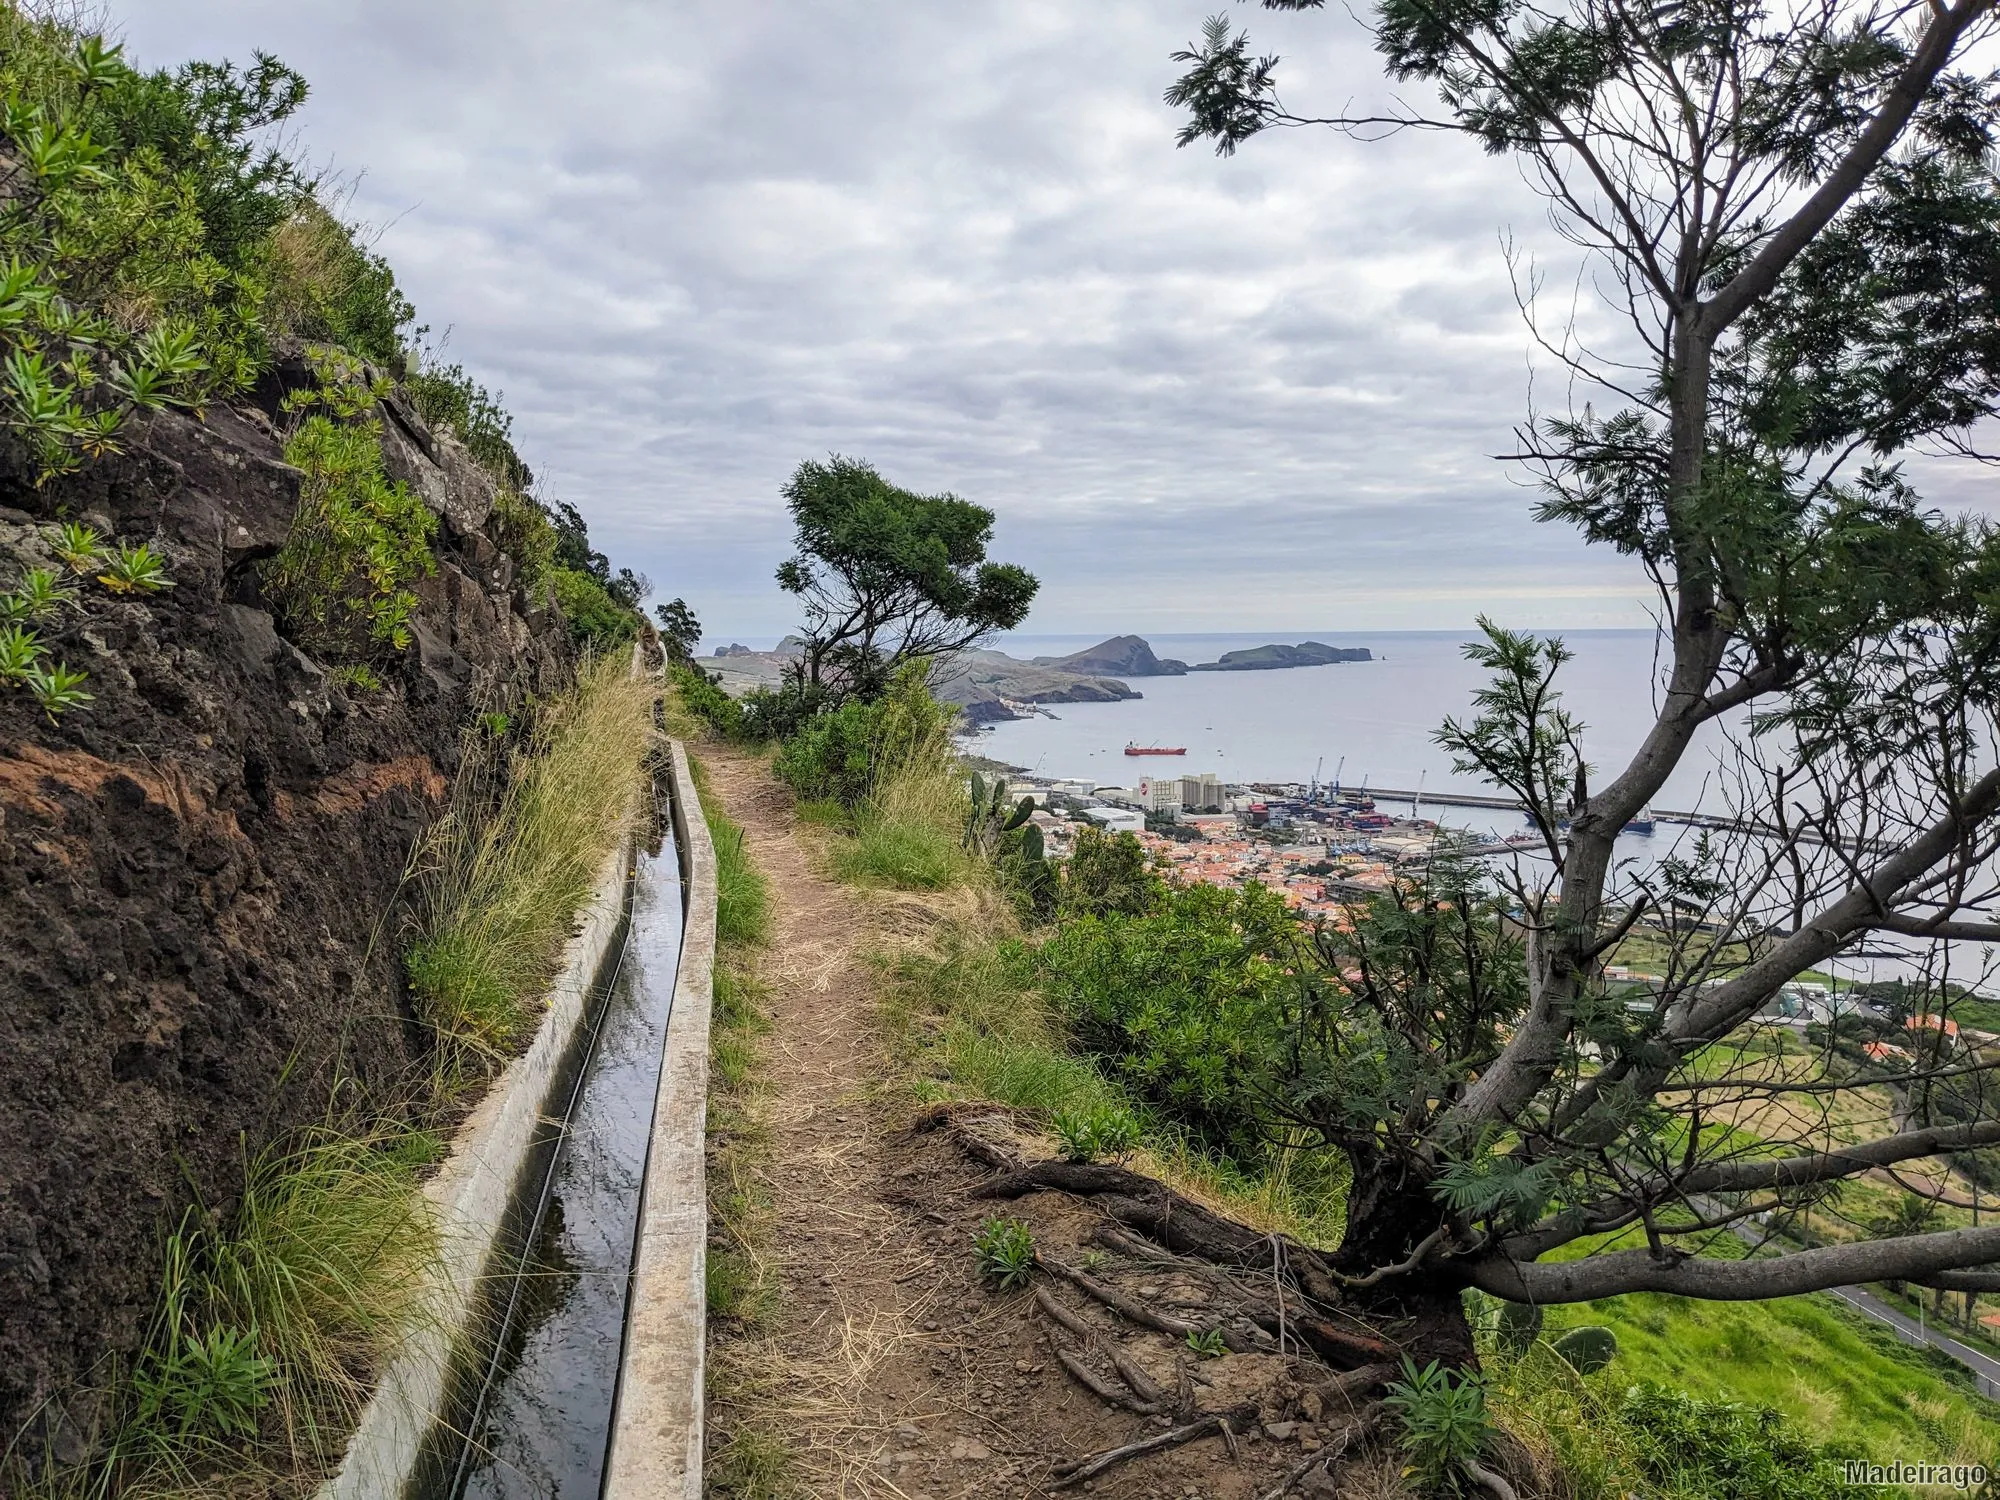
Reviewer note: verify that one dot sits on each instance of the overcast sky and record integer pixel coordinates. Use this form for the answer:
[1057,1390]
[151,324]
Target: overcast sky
[695,242]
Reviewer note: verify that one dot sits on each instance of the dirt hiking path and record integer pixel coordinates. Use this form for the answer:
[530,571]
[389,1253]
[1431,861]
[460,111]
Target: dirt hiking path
[887,1368]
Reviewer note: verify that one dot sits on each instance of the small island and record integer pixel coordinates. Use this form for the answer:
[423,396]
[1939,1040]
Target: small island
[990,687]
[1273,658]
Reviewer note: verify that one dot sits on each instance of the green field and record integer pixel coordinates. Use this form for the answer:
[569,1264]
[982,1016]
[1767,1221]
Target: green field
[1840,1376]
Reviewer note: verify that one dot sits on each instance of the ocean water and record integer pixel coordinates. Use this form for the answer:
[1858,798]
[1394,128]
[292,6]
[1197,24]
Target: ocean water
[1374,722]
[1365,721]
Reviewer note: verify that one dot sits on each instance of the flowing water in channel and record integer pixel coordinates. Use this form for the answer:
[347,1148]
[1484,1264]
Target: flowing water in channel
[544,1424]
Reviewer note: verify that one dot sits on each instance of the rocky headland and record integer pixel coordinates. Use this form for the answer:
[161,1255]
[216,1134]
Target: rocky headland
[1121,656]
[990,687]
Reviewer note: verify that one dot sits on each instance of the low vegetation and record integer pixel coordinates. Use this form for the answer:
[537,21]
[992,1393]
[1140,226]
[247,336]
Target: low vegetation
[511,865]
[742,1281]
[136,237]
[273,1321]
[359,540]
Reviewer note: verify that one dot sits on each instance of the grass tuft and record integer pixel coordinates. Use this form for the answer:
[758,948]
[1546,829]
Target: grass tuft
[273,1324]
[908,833]
[742,895]
[751,1464]
[505,888]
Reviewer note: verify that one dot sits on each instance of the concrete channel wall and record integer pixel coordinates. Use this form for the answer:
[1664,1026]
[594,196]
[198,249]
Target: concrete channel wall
[656,1427]
[469,1196]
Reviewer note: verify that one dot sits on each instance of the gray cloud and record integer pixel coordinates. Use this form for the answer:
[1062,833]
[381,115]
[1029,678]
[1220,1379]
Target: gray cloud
[697,243]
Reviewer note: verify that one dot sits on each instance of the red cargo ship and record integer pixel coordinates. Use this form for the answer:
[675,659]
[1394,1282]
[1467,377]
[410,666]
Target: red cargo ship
[1131,749]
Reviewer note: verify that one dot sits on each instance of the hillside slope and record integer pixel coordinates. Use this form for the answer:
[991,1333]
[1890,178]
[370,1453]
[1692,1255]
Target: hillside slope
[199,868]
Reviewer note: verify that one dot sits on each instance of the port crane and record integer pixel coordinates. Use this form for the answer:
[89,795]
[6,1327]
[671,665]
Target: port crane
[1312,792]
[1338,768]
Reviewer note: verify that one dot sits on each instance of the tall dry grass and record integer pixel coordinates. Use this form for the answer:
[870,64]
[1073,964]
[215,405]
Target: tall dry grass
[504,882]
[909,831]
[272,1324]
[323,1271]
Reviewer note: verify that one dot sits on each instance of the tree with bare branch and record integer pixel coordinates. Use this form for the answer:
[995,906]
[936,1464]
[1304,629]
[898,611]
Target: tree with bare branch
[1794,210]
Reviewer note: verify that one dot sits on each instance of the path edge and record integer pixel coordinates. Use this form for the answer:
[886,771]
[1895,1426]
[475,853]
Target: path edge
[657,1418]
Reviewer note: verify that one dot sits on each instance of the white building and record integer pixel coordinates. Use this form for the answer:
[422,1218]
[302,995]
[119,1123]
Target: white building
[1158,793]
[1205,790]
[1116,819]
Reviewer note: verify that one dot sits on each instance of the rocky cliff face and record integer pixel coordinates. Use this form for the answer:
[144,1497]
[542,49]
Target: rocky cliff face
[199,870]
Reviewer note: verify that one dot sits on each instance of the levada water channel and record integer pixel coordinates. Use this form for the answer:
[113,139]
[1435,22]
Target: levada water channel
[530,1414]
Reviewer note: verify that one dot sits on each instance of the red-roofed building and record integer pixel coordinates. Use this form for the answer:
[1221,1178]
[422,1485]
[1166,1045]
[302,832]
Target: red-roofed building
[1933,1023]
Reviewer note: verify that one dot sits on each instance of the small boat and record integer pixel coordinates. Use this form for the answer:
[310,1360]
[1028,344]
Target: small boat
[1135,749]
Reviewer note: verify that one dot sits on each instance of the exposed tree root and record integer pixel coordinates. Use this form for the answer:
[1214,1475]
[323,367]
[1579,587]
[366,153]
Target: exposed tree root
[1143,1385]
[1101,1388]
[1190,1231]
[1130,1308]
[1064,1316]
[1157,1211]
[1147,1398]
[1237,1418]
[1276,1296]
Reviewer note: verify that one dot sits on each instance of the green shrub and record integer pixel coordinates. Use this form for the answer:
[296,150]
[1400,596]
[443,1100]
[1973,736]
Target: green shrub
[1099,1130]
[1444,1419]
[135,570]
[323,287]
[1005,1251]
[779,713]
[358,541]
[40,595]
[446,397]
[841,754]
[1184,1006]
[595,619]
[56,689]
[702,697]
[1716,1450]
[1108,873]
[522,530]
[133,240]
[832,756]
[207,1384]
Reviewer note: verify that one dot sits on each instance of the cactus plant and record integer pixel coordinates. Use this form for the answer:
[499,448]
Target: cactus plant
[1520,1324]
[990,818]
[1588,1349]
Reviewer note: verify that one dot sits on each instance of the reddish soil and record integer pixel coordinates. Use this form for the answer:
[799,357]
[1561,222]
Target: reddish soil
[888,1368]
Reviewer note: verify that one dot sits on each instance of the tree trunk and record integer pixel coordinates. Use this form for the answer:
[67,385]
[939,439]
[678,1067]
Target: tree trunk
[1390,1212]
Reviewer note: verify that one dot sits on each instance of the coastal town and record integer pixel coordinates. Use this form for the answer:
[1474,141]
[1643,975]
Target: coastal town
[1315,845]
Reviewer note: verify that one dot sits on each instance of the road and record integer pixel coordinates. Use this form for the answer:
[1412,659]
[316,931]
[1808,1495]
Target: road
[1984,1366]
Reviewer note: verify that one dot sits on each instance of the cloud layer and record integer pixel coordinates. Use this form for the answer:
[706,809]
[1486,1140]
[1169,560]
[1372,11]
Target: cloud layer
[695,243]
